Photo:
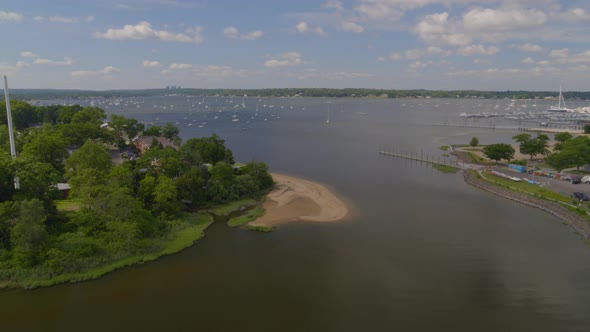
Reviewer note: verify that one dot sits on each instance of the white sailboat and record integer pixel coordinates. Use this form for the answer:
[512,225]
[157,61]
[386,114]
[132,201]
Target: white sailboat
[560,105]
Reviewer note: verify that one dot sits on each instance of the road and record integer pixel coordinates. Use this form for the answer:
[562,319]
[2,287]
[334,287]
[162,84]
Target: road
[560,186]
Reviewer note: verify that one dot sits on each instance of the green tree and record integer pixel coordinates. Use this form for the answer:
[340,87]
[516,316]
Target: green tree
[48,146]
[190,186]
[499,151]
[587,129]
[561,138]
[532,146]
[166,198]
[66,113]
[474,142]
[170,131]
[91,115]
[91,155]
[22,114]
[162,161]
[207,150]
[28,234]
[6,177]
[573,153]
[37,179]
[153,131]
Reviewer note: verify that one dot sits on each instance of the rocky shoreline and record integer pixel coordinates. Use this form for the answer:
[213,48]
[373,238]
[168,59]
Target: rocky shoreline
[576,222]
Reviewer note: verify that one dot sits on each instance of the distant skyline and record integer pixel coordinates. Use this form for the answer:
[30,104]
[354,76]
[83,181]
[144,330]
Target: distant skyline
[388,44]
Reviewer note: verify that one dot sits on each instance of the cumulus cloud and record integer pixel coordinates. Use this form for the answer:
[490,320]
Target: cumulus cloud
[502,20]
[381,59]
[65,62]
[575,15]
[39,18]
[105,71]
[420,64]
[288,59]
[418,53]
[303,27]
[181,66]
[10,16]
[478,49]
[28,54]
[561,53]
[232,32]
[333,4]
[438,29]
[528,47]
[143,30]
[62,19]
[528,61]
[151,64]
[350,26]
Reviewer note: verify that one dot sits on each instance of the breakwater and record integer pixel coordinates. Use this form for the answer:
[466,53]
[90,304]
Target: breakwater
[576,222]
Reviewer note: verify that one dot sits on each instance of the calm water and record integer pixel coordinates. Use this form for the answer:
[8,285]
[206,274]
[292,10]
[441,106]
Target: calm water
[422,250]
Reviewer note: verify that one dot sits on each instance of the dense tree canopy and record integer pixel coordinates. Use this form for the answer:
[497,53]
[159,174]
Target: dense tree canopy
[499,151]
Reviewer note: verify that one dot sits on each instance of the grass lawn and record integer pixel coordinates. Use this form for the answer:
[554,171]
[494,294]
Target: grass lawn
[67,205]
[227,209]
[246,218]
[445,168]
[524,186]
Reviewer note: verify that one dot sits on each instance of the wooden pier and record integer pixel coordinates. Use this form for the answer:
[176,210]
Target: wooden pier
[421,157]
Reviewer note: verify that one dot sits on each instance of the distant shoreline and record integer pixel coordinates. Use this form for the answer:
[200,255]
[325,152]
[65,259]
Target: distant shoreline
[299,199]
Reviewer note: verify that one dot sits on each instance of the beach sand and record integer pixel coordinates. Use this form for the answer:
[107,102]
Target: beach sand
[299,199]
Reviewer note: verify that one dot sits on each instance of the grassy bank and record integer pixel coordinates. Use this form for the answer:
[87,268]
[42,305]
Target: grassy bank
[251,215]
[185,232]
[445,168]
[227,209]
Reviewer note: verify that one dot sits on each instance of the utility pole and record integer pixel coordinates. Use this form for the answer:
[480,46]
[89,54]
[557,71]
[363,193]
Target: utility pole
[10,129]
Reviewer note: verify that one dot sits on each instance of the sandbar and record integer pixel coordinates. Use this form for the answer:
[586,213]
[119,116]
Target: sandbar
[299,199]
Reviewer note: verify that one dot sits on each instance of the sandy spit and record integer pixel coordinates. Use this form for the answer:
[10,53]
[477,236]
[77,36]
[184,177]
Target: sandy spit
[299,199]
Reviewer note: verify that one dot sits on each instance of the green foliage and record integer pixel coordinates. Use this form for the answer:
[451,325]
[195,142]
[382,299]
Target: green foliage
[91,155]
[153,131]
[162,161]
[37,179]
[445,168]
[587,129]
[444,147]
[249,216]
[206,150]
[474,142]
[532,146]
[28,235]
[90,115]
[47,146]
[499,151]
[229,208]
[169,130]
[573,153]
[23,114]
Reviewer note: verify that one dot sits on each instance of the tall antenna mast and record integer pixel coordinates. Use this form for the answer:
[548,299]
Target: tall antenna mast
[10,130]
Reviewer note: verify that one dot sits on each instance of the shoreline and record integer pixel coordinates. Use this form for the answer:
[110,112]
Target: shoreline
[570,218]
[298,199]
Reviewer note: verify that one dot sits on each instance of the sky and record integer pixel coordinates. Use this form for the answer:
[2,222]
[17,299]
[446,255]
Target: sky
[388,44]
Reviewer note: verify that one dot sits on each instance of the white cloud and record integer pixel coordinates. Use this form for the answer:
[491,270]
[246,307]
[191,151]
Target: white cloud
[151,64]
[543,63]
[481,61]
[438,29]
[528,61]
[502,20]
[303,27]
[420,64]
[233,33]
[418,53]
[381,59]
[350,26]
[39,18]
[528,47]
[575,15]
[396,56]
[62,19]
[561,53]
[478,49]
[65,62]
[28,54]
[89,19]
[143,30]
[181,66]
[105,71]
[333,4]
[288,59]
[10,17]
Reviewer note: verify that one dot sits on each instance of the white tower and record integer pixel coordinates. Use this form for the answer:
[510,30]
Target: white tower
[10,130]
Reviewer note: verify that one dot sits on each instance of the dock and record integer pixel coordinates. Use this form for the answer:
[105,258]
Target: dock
[421,157]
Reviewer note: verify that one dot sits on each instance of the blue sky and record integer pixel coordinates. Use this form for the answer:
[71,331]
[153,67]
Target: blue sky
[390,44]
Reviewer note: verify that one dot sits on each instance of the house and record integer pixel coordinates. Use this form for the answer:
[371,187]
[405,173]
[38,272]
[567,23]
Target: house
[143,143]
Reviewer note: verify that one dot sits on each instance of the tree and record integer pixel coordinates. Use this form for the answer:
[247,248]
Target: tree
[573,152]
[499,151]
[532,146]
[474,142]
[37,179]
[166,198]
[170,131]
[190,186]
[162,161]
[46,145]
[23,114]
[561,138]
[153,131]
[91,155]
[207,150]
[67,112]
[6,177]
[28,234]
[91,115]
[587,129]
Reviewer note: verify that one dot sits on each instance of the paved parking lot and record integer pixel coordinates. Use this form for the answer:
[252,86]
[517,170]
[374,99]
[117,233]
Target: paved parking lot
[560,186]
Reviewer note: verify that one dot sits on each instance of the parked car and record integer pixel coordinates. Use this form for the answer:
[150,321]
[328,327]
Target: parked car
[586,179]
[581,196]
[576,180]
